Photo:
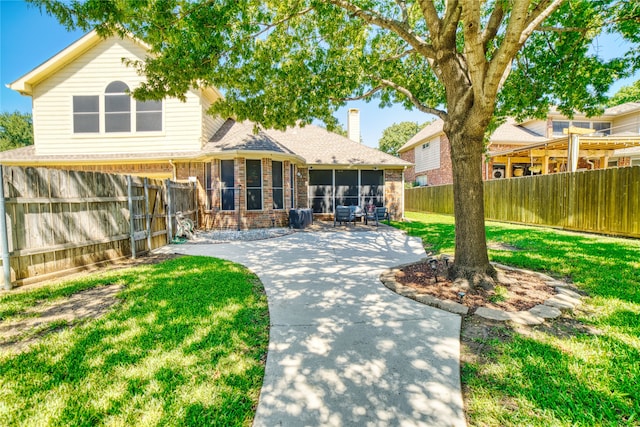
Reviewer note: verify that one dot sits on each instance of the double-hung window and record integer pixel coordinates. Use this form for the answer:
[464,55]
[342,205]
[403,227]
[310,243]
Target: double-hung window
[292,184]
[254,185]
[277,181]
[208,184]
[148,116]
[117,108]
[227,182]
[86,114]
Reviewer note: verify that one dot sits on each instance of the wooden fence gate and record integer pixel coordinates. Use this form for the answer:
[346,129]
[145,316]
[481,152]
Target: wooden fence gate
[55,222]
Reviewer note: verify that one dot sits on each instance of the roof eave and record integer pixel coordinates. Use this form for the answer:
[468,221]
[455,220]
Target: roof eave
[24,84]
[254,153]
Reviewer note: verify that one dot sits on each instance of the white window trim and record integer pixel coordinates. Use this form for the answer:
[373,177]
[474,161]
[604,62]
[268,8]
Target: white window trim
[102,119]
[591,122]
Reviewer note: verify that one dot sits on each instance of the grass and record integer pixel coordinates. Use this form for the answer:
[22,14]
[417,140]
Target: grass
[588,377]
[500,294]
[185,346]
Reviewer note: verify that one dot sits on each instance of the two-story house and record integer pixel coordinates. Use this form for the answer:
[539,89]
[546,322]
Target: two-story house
[534,146]
[85,119]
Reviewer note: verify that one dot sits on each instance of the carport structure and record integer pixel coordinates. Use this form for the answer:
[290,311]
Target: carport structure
[566,154]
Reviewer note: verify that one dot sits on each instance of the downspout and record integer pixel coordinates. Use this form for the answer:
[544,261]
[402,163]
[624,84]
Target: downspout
[403,191]
[173,168]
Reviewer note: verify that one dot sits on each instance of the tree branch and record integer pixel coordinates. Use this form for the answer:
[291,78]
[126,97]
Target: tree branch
[431,17]
[267,27]
[400,55]
[403,8]
[521,25]
[474,48]
[401,29]
[363,96]
[562,30]
[451,21]
[537,16]
[415,101]
[493,25]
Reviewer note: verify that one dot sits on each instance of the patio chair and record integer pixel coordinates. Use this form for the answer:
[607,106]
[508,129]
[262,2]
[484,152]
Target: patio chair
[343,214]
[377,215]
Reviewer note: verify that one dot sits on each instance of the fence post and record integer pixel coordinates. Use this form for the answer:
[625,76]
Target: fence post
[131,219]
[195,202]
[167,183]
[146,207]
[6,267]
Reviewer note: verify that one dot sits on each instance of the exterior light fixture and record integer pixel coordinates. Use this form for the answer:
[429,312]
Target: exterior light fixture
[433,263]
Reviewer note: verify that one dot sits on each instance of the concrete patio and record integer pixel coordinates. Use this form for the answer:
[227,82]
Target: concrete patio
[343,349]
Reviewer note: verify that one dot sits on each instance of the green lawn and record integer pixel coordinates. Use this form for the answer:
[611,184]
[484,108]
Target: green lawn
[185,346]
[588,377]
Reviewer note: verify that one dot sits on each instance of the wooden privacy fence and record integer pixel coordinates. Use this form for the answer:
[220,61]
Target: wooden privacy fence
[603,201]
[55,221]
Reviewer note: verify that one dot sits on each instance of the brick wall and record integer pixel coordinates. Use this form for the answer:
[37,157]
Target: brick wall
[410,172]
[444,174]
[215,218]
[440,176]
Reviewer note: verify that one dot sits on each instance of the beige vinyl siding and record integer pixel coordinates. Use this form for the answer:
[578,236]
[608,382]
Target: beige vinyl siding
[89,74]
[537,126]
[428,158]
[628,123]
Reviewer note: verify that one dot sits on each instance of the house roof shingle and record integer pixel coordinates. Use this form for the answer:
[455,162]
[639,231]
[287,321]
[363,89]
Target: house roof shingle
[312,144]
[429,131]
[319,146]
[241,136]
[511,132]
[507,132]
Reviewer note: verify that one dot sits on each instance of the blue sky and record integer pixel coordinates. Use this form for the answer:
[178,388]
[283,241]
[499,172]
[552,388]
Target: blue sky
[28,38]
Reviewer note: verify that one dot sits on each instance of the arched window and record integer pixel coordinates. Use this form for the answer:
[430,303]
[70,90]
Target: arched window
[117,108]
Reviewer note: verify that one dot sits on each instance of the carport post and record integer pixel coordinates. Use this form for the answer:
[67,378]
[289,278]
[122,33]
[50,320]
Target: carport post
[6,267]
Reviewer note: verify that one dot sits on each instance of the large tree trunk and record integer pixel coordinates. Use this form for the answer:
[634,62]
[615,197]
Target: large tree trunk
[471,267]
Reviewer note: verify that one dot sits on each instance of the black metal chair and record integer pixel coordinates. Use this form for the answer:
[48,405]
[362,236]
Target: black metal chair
[343,214]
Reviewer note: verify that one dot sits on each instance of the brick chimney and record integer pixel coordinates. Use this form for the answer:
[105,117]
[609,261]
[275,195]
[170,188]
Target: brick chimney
[353,124]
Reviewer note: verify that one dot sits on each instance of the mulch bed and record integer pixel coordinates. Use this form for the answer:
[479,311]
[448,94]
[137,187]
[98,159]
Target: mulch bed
[524,290]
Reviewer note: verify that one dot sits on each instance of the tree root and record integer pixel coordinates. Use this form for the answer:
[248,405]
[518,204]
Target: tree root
[467,278]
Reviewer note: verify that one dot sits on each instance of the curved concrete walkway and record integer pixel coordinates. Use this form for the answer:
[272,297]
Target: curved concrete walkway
[343,349]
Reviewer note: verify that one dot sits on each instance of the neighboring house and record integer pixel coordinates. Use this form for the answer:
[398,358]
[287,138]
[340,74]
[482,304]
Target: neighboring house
[85,119]
[533,146]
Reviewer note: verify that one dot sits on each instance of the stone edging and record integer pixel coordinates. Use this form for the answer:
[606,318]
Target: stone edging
[565,299]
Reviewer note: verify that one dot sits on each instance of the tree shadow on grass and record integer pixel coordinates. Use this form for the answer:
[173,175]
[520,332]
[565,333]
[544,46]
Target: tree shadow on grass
[188,340]
[436,237]
[543,380]
[598,266]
